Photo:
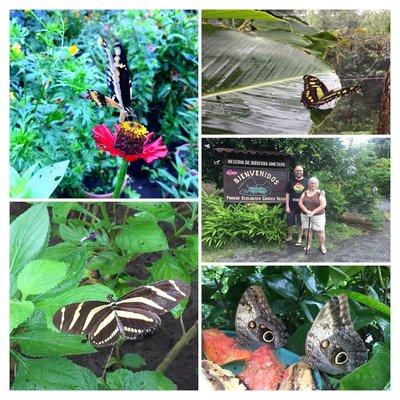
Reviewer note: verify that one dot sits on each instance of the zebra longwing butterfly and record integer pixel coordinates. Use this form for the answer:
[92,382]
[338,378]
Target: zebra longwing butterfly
[130,317]
[317,95]
[118,80]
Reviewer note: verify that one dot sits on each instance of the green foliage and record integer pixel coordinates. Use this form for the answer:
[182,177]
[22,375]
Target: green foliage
[41,185]
[243,222]
[123,379]
[76,268]
[49,119]
[56,373]
[297,293]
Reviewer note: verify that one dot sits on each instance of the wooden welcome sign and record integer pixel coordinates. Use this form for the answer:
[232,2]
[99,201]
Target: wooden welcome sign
[254,176]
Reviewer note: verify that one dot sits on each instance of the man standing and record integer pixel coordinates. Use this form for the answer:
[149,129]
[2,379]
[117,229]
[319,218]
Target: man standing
[294,189]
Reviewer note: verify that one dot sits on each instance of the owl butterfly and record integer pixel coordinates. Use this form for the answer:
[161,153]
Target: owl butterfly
[255,324]
[317,95]
[332,344]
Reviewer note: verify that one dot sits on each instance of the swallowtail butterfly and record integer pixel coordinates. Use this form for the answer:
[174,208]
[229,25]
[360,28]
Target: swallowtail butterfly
[317,95]
[130,317]
[118,80]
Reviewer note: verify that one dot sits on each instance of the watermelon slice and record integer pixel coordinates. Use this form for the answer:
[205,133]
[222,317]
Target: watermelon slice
[222,349]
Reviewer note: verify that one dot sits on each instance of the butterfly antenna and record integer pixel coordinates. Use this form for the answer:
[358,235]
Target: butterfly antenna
[108,361]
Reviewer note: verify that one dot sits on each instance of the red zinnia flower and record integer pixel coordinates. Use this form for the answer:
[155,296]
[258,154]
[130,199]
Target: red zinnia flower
[130,141]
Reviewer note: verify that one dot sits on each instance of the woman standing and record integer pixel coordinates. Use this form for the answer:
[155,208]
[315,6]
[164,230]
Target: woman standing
[312,204]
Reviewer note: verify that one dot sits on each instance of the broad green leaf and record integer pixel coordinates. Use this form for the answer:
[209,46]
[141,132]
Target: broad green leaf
[285,287]
[308,278]
[19,184]
[141,235]
[167,267]
[374,375]
[258,82]
[108,262]
[362,298]
[41,275]
[60,211]
[45,180]
[297,340]
[162,211]
[242,14]
[187,254]
[28,236]
[77,262]
[58,251]
[133,361]
[285,36]
[20,311]
[83,293]
[56,373]
[123,379]
[73,232]
[42,342]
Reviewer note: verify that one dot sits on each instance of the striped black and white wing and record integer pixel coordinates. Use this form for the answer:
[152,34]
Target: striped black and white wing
[158,298]
[79,318]
[118,75]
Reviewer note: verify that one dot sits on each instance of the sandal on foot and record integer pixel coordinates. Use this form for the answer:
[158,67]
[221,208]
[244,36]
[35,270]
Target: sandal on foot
[289,239]
[322,250]
[307,249]
[297,244]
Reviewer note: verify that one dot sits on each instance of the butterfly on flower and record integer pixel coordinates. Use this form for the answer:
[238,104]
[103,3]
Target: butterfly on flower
[118,80]
[317,95]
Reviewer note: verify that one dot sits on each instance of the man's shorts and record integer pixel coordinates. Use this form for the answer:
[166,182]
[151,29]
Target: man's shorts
[293,218]
[317,222]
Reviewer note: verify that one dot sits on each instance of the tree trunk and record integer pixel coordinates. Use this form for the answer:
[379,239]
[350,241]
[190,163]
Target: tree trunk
[384,116]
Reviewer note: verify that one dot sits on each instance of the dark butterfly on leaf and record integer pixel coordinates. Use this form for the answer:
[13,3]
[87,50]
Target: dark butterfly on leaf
[130,317]
[332,344]
[118,81]
[317,95]
[255,323]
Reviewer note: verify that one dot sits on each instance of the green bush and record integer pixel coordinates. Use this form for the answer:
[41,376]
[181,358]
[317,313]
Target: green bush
[243,222]
[55,57]
[381,176]
[335,199]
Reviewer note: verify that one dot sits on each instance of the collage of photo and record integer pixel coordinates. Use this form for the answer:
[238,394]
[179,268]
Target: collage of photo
[199,200]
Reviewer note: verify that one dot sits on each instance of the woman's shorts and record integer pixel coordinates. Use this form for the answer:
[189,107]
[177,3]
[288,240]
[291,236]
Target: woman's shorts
[317,222]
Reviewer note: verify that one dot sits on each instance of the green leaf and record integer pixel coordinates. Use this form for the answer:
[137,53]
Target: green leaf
[53,374]
[73,232]
[123,379]
[108,262]
[283,286]
[46,180]
[58,251]
[133,361]
[374,375]
[241,14]
[141,235]
[83,293]
[297,340]
[39,276]
[20,311]
[166,268]
[160,211]
[41,342]
[28,236]
[263,83]
[362,298]
[179,309]
[187,254]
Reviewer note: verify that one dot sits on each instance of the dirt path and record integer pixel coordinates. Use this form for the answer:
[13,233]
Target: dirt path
[372,246]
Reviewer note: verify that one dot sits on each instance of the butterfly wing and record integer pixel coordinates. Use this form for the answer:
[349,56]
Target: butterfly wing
[332,344]
[255,324]
[79,318]
[314,90]
[118,75]
[336,94]
[158,298]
